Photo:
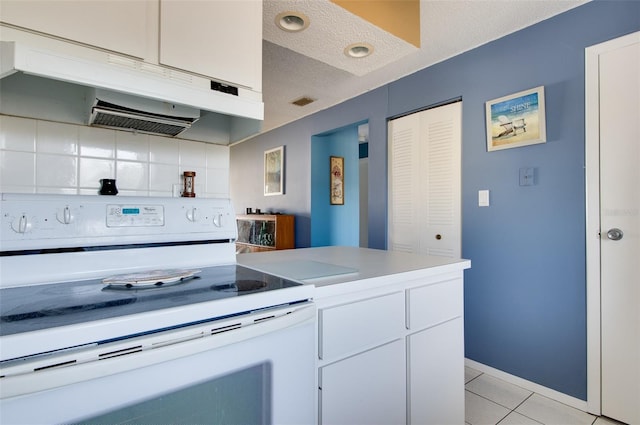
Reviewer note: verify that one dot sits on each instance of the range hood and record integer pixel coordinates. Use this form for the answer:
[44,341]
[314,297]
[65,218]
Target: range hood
[126,112]
[129,94]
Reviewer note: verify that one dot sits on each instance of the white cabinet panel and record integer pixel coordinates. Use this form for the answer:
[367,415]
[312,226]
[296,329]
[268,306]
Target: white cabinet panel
[358,326]
[369,388]
[220,39]
[119,26]
[432,304]
[436,375]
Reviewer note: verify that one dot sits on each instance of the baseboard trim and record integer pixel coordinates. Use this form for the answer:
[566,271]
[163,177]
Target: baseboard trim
[528,385]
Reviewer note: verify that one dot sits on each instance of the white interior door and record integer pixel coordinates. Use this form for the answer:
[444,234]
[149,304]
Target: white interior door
[620,249]
[618,146]
[425,182]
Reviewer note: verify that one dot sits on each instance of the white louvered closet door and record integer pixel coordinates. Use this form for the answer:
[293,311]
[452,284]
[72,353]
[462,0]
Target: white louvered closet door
[425,182]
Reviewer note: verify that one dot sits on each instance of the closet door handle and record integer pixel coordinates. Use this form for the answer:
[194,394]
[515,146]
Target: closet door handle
[615,234]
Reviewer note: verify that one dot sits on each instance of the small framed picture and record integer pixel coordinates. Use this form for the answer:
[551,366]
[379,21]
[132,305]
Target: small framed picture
[336,179]
[516,120]
[274,171]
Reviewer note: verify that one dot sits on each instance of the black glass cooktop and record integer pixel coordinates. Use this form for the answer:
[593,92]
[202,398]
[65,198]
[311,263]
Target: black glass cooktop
[37,307]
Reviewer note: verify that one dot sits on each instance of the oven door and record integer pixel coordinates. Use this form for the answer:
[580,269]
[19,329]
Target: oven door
[255,369]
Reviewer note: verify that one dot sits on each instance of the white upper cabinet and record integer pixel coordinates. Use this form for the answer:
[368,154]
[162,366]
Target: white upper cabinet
[119,26]
[221,39]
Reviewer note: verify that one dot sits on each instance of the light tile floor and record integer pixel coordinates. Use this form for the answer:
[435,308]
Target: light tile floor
[491,401]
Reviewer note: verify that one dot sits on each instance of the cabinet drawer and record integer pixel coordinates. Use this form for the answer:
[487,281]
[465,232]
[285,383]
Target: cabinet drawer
[360,325]
[432,304]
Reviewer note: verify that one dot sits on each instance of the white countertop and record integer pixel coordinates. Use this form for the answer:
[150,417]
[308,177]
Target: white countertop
[325,267]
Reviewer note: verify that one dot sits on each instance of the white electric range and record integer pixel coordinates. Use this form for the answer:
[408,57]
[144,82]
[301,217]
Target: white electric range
[155,281]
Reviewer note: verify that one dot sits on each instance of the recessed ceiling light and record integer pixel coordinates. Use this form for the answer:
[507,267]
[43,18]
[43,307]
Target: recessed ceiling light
[292,21]
[358,50]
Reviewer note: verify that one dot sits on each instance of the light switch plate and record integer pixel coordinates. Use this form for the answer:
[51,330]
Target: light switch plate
[483,198]
[526,176]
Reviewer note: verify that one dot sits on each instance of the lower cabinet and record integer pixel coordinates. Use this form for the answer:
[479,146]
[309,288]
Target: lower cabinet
[394,357]
[368,388]
[436,378]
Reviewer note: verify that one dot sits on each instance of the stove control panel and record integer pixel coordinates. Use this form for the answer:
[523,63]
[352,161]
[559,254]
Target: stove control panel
[135,215]
[40,221]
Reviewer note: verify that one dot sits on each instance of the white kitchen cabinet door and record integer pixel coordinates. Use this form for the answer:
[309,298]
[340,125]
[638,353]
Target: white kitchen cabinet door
[425,182]
[436,375]
[119,26]
[369,388]
[218,39]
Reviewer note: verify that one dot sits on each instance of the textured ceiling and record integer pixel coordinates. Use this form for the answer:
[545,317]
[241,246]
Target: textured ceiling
[312,63]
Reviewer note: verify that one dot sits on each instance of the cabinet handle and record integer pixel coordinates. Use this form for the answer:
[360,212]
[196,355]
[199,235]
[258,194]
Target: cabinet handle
[438,236]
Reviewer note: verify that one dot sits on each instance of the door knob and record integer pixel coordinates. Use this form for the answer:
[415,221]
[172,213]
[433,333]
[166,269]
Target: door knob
[615,234]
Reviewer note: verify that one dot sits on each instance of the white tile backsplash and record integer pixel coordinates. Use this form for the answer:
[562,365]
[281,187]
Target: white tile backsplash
[49,157]
[132,175]
[164,150]
[162,177]
[53,137]
[97,142]
[132,146]
[217,156]
[56,171]
[18,134]
[92,170]
[192,154]
[18,169]
[217,180]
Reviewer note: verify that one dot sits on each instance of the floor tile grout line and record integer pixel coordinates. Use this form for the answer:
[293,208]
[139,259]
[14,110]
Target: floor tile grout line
[474,378]
[528,417]
[501,405]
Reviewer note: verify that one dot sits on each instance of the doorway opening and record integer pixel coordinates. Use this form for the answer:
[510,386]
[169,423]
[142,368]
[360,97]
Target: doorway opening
[345,223]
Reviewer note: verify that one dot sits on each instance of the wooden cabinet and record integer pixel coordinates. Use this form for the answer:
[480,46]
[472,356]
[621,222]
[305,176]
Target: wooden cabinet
[119,26]
[393,355]
[265,232]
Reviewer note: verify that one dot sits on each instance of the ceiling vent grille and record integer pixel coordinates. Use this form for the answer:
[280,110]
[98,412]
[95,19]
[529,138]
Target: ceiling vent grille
[303,101]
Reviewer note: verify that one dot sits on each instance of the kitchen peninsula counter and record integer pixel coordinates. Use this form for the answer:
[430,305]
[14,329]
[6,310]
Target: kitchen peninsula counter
[356,268]
[390,338]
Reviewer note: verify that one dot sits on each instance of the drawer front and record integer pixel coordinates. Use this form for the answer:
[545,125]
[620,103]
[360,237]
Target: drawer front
[432,304]
[357,326]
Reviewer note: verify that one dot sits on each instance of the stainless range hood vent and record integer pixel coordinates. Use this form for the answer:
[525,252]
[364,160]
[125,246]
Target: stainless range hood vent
[143,115]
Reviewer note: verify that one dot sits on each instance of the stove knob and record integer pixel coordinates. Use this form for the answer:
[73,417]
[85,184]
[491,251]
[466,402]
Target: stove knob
[217,220]
[65,216]
[22,224]
[193,215]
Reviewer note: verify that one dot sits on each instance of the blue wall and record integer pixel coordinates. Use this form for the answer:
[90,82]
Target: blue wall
[333,225]
[525,295]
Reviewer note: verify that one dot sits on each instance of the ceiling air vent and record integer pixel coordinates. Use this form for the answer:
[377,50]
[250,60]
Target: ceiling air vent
[144,115]
[303,101]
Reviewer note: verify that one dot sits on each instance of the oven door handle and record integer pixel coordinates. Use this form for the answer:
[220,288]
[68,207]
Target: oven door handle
[108,359]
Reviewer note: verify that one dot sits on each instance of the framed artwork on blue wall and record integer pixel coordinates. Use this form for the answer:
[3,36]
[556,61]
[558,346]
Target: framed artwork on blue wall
[516,120]
[336,169]
[274,171]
